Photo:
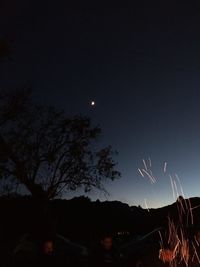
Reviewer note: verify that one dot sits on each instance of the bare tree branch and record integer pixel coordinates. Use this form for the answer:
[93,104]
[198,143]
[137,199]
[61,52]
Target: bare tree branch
[48,152]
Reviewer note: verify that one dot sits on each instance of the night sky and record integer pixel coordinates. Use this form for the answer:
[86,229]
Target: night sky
[141,64]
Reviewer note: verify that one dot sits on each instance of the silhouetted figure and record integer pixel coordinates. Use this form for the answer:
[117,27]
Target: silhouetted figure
[49,256]
[32,253]
[105,255]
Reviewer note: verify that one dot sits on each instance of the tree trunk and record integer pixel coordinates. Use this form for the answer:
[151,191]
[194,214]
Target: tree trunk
[43,224]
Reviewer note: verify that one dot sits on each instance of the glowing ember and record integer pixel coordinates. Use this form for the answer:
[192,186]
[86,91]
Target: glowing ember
[180,247]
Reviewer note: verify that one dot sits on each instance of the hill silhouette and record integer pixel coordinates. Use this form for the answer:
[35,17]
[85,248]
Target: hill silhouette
[84,220]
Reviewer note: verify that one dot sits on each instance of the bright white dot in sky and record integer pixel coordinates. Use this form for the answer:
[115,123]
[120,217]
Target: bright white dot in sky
[93,103]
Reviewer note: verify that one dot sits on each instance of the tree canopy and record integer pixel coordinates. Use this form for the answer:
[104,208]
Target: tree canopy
[47,152]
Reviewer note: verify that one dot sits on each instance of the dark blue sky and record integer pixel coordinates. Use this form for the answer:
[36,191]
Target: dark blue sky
[140,64]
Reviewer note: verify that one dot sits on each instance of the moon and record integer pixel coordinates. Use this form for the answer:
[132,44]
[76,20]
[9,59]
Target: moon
[93,103]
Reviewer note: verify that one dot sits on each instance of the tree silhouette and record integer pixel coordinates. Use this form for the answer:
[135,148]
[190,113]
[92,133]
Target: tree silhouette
[48,153]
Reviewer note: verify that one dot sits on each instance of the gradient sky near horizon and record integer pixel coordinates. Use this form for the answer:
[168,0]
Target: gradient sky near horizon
[141,64]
